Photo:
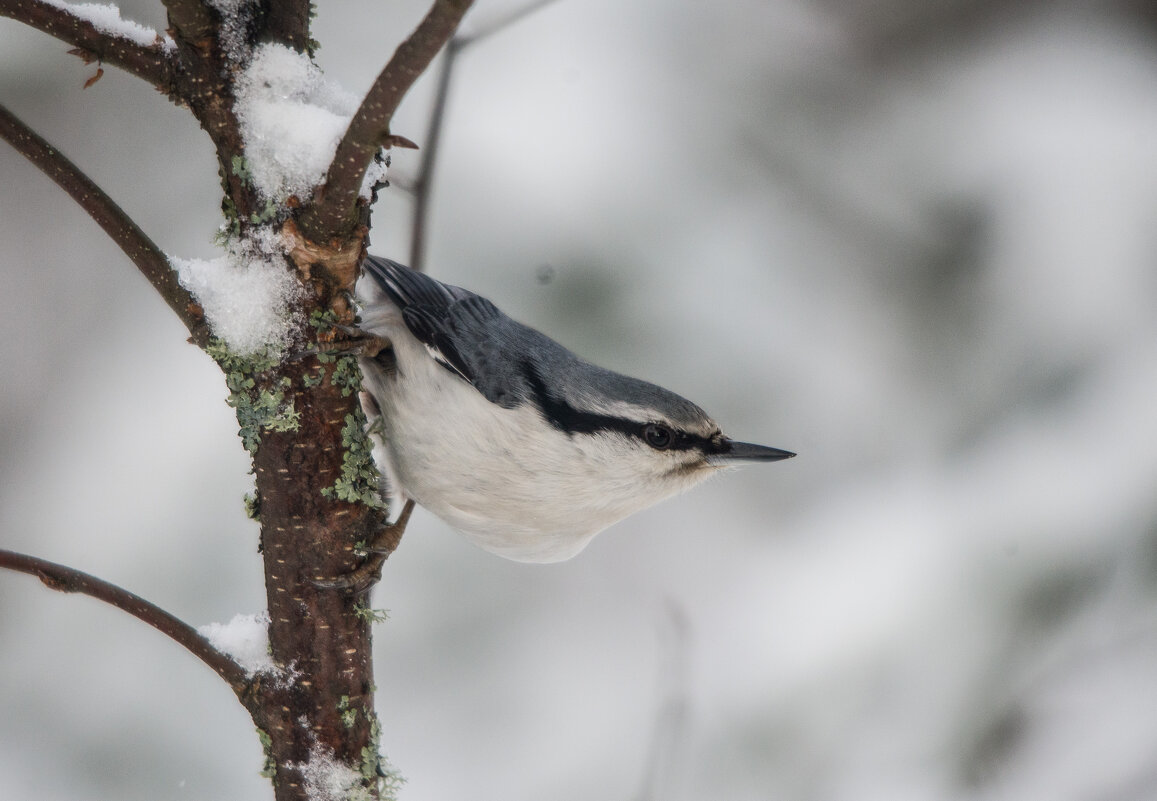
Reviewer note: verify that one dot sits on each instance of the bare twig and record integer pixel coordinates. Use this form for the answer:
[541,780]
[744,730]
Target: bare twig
[154,63]
[422,187]
[67,579]
[333,212]
[670,727]
[423,184]
[500,24]
[148,258]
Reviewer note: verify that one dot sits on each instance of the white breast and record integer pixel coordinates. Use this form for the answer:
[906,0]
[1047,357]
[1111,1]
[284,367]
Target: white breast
[505,478]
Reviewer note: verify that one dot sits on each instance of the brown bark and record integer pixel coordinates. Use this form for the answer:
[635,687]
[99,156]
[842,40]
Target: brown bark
[321,701]
[333,212]
[314,633]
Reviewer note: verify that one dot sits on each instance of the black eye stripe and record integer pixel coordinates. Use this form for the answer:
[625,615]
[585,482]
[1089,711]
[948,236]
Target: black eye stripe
[565,417]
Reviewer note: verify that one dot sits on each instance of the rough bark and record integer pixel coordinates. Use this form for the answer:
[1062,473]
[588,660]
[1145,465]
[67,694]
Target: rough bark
[321,701]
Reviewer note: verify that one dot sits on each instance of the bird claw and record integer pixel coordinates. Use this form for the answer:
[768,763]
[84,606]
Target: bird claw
[353,342]
[369,573]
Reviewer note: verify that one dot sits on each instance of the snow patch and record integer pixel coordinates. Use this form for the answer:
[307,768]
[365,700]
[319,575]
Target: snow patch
[246,293]
[246,639]
[236,16]
[292,118]
[107,19]
[375,174]
[326,778]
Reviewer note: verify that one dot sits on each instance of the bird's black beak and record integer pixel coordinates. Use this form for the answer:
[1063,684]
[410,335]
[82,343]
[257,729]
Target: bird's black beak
[731,451]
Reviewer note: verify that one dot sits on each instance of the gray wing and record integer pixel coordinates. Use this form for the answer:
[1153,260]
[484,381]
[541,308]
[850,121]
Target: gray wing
[464,332]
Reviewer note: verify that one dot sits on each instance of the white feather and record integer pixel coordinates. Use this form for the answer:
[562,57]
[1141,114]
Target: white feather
[508,480]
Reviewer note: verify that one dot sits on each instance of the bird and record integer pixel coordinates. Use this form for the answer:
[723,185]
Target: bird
[522,446]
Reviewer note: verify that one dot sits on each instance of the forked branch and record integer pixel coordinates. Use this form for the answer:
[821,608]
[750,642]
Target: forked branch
[423,184]
[191,20]
[67,579]
[333,211]
[148,258]
[152,62]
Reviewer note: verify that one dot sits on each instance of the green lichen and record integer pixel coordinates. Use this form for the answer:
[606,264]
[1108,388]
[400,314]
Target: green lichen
[312,46]
[359,479]
[349,714]
[375,767]
[258,398]
[311,381]
[268,213]
[240,167]
[347,376]
[359,793]
[232,227]
[369,614]
[269,767]
[252,503]
[322,319]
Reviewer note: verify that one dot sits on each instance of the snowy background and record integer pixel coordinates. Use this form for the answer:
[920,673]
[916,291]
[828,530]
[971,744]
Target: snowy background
[912,241]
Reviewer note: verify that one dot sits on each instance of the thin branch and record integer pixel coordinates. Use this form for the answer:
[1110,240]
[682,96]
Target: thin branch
[67,579]
[148,258]
[333,212]
[422,187]
[670,726]
[500,24]
[154,62]
[423,183]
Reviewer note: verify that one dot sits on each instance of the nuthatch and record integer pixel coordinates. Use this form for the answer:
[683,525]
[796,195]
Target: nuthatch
[508,436]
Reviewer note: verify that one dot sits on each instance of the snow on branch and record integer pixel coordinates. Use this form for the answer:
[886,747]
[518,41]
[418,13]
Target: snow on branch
[67,579]
[291,120]
[246,639]
[148,258]
[369,130]
[100,34]
[248,294]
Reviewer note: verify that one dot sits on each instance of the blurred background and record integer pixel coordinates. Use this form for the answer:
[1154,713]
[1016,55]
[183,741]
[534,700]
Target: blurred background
[912,241]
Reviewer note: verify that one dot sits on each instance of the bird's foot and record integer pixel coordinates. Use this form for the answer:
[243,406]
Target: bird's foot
[346,340]
[353,341]
[369,573]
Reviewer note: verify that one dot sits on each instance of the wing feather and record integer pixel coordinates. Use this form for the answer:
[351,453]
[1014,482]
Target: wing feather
[464,332]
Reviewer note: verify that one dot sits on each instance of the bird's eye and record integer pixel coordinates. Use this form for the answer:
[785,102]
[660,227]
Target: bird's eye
[658,437]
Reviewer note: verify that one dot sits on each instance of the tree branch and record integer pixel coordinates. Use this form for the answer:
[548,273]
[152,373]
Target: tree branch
[502,23]
[191,20]
[148,258]
[422,188]
[333,211]
[153,63]
[423,184]
[67,579]
[287,21]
